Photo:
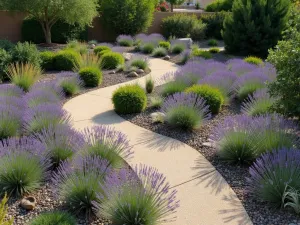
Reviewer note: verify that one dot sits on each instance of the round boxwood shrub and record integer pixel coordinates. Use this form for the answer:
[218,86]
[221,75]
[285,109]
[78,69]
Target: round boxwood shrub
[165,44]
[66,60]
[111,60]
[91,76]
[47,60]
[211,95]
[101,48]
[100,54]
[129,99]
[52,218]
[202,53]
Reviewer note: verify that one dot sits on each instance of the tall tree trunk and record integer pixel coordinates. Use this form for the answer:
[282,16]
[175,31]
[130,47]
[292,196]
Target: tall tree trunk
[47,32]
[172,7]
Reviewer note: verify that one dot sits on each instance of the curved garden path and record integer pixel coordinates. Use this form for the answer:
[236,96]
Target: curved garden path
[205,197]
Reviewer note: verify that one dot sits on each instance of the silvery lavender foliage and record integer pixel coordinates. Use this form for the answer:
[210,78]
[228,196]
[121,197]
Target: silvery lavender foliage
[125,40]
[51,86]
[10,90]
[37,97]
[258,104]
[43,116]
[107,143]
[213,66]
[274,174]
[185,56]
[17,102]
[78,181]
[240,67]
[186,111]
[23,166]
[142,197]
[61,142]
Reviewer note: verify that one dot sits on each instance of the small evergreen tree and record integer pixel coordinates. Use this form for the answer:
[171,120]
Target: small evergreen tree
[255,26]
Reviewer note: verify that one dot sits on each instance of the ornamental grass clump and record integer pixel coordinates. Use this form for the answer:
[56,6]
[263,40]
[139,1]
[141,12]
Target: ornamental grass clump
[258,104]
[212,42]
[70,84]
[149,85]
[3,212]
[159,52]
[43,116]
[177,48]
[78,181]
[143,197]
[61,143]
[125,40]
[185,110]
[156,101]
[173,87]
[52,218]
[141,63]
[23,75]
[88,60]
[23,166]
[148,48]
[129,99]
[274,174]
[254,60]
[11,119]
[214,50]
[213,97]
[107,143]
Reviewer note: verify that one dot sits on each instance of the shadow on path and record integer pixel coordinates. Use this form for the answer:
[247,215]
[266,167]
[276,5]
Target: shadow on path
[107,118]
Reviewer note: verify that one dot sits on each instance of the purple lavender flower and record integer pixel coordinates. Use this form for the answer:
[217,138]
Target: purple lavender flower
[10,90]
[36,97]
[275,173]
[50,86]
[185,56]
[125,40]
[107,143]
[43,116]
[70,83]
[187,111]
[123,189]
[214,66]
[240,67]
[12,101]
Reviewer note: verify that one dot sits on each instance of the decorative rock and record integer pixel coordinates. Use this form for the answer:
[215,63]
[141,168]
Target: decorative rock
[28,203]
[208,144]
[167,57]
[112,72]
[139,71]
[93,46]
[132,74]
[187,41]
[158,117]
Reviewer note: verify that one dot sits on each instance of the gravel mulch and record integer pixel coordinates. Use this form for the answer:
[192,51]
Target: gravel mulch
[259,212]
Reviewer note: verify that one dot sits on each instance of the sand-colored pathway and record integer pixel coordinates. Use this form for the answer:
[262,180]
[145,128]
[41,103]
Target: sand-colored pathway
[205,197]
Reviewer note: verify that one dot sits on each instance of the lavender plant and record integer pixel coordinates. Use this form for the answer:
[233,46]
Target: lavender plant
[23,167]
[240,67]
[172,88]
[10,120]
[187,111]
[141,198]
[51,86]
[77,182]
[44,116]
[107,143]
[258,104]
[41,96]
[159,52]
[273,174]
[10,90]
[185,56]
[125,40]
[71,84]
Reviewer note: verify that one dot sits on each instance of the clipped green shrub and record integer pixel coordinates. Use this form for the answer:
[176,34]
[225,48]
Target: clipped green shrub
[212,42]
[47,60]
[219,5]
[91,76]
[111,60]
[26,53]
[183,25]
[214,50]
[6,45]
[260,26]
[5,60]
[139,63]
[202,53]
[214,24]
[58,218]
[159,52]
[61,32]
[254,60]
[66,60]
[213,96]
[173,87]
[129,99]
[101,48]
[148,48]
[165,44]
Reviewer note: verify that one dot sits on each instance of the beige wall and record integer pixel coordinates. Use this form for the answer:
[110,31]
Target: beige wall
[10,25]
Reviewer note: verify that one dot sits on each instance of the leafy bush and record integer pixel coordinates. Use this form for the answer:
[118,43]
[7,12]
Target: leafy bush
[214,50]
[6,45]
[186,111]
[183,25]
[62,218]
[149,85]
[177,48]
[5,60]
[26,53]
[125,40]
[212,42]
[213,97]
[202,53]
[135,16]
[23,75]
[47,60]
[257,32]
[219,5]
[173,87]
[254,60]
[143,197]
[275,173]
[159,52]
[23,167]
[286,86]
[111,60]
[214,24]
[3,212]
[91,76]
[129,99]
[165,44]
[101,48]
[61,32]
[66,60]
[108,144]
[147,48]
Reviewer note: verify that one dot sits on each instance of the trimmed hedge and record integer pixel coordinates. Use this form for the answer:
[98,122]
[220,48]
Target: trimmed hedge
[111,60]
[61,32]
[66,60]
[129,99]
[91,76]
[47,60]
